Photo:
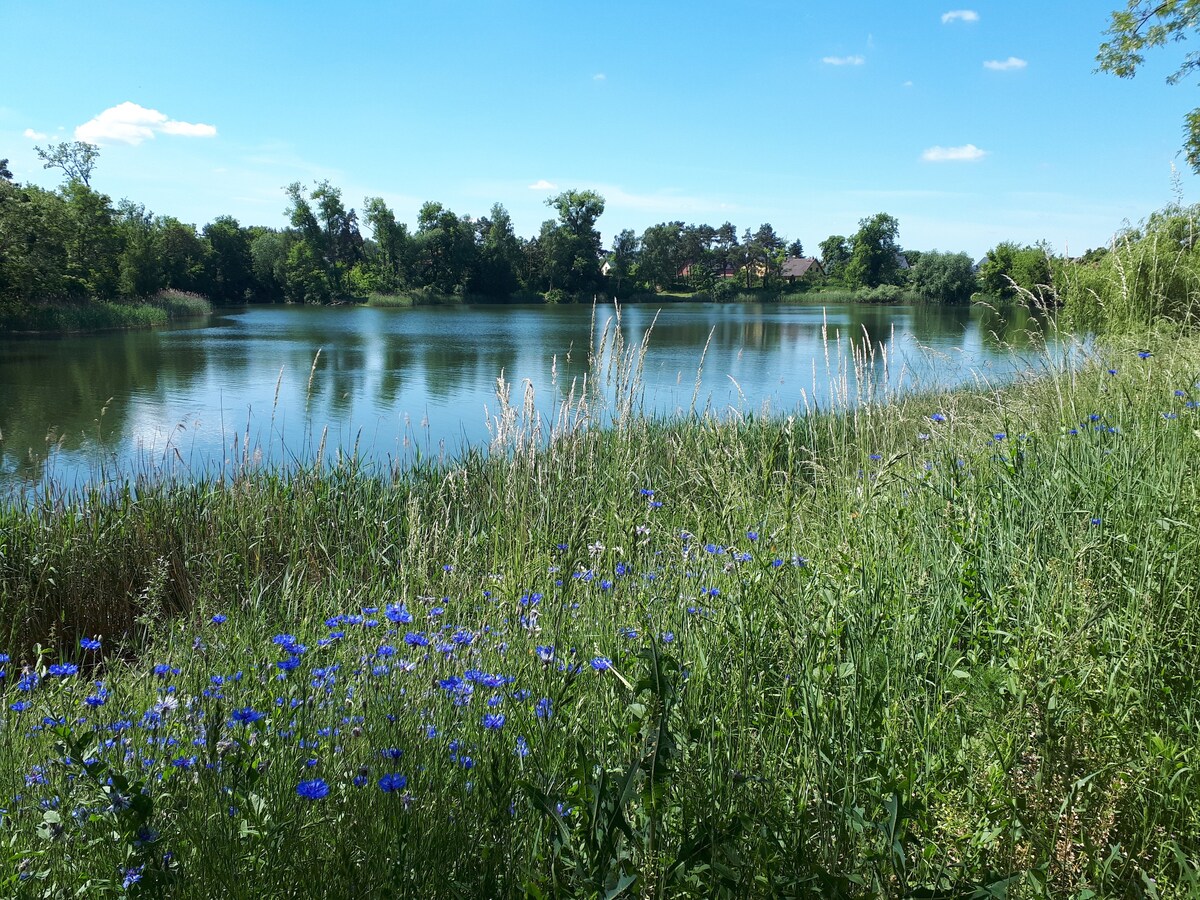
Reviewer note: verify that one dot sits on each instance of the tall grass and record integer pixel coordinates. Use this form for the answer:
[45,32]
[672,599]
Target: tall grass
[1149,276]
[929,646]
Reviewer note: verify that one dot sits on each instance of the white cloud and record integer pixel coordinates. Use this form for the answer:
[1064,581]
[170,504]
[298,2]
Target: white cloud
[542,185]
[960,15]
[1005,65]
[599,76]
[128,123]
[35,135]
[907,84]
[843,60]
[966,153]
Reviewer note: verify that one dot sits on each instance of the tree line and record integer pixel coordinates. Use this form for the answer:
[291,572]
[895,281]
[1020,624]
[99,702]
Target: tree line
[73,244]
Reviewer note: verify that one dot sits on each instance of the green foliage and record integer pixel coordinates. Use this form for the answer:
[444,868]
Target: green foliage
[1151,276]
[1148,24]
[874,253]
[943,648]
[1010,271]
[835,254]
[943,277]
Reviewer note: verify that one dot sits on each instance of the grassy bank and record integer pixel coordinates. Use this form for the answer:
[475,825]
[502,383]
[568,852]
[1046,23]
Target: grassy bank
[104,315]
[944,645]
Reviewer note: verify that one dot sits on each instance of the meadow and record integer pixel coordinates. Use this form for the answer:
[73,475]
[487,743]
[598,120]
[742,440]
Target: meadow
[941,645]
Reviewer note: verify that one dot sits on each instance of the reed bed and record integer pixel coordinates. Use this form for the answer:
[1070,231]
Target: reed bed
[940,645]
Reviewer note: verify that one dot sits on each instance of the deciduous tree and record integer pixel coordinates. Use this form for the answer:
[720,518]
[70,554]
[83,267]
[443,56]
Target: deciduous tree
[1148,24]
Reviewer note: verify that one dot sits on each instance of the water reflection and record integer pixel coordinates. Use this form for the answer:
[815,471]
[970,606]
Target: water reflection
[276,382]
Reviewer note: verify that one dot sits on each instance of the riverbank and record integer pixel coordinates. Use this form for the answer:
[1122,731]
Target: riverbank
[103,315]
[943,644]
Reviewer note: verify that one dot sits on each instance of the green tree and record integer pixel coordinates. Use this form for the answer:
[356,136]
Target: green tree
[662,255]
[874,253]
[140,261]
[572,245]
[767,253]
[835,253]
[943,277]
[230,263]
[444,248]
[795,249]
[390,261]
[625,255]
[77,159]
[499,256]
[1148,24]
[1009,269]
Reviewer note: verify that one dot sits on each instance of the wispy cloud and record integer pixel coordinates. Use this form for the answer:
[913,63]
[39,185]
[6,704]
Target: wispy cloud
[965,153]
[35,135]
[843,60]
[907,84]
[543,185]
[128,123]
[1005,65]
[599,76]
[960,15]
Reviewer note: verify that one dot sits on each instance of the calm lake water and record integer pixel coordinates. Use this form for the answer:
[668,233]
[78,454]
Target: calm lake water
[273,383]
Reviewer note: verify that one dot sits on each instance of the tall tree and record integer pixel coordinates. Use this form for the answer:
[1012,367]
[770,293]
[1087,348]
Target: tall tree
[77,159]
[835,253]
[572,245]
[1148,24]
[499,257]
[623,258]
[230,263]
[943,277]
[874,252]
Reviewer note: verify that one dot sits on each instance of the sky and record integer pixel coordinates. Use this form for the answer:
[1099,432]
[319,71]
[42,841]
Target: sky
[970,124]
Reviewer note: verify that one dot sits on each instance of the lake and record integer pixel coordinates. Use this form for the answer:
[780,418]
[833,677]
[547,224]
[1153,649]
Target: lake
[273,385]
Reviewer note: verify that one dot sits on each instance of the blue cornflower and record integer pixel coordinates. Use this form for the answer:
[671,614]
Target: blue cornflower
[62,670]
[667,637]
[162,670]
[1144,354]
[601,663]
[1179,393]
[89,643]
[391,753]
[247,716]
[711,548]
[416,639]
[493,721]
[218,619]
[752,535]
[392,783]
[1112,371]
[1096,520]
[397,613]
[313,789]
[131,877]
[522,748]
[544,708]
[875,457]
[628,633]
[290,664]
[999,436]
[545,653]
[938,417]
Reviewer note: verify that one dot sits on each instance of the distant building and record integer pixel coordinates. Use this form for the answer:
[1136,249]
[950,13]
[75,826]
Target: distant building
[797,268]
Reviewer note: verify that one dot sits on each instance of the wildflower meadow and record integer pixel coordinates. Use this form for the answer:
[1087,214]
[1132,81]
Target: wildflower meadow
[940,645]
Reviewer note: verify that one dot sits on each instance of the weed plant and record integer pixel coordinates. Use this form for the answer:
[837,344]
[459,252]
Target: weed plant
[938,646]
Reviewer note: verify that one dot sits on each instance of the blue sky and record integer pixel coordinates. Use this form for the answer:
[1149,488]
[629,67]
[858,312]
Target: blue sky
[971,123]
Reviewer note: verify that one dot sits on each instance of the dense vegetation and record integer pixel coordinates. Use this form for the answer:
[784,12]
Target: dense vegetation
[70,258]
[929,647]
